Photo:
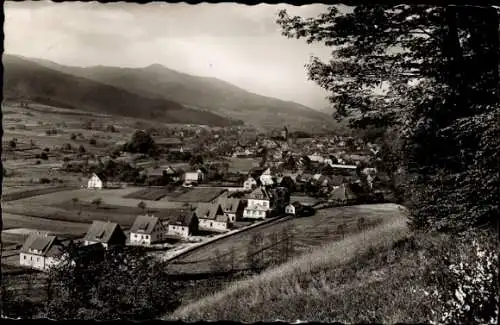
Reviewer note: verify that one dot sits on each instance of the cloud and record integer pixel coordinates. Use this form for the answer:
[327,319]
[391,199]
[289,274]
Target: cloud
[237,43]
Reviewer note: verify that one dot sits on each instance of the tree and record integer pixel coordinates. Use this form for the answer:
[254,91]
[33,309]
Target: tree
[93,141]
[13,144]
[75,201]
[441,68]
[97,202]
[142,205]
[81,149]
[361,224]
[141,142]
[73,136]
[341,229]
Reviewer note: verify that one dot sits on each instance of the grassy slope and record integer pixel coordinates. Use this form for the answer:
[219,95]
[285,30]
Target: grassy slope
[24,79]
[366,277]
[205,93]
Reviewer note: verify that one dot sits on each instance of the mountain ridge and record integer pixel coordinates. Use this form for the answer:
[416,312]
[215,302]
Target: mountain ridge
[25,79]
[203,93]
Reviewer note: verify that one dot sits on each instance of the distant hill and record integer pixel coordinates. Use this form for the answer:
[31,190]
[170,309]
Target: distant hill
[30,81]
[210,94]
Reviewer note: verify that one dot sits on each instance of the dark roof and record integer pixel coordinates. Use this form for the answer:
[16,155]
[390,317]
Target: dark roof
[304,200]
[183,219]
[230,204]
[208,210]
[259,193]
[101,231]
[101,176]
[42,245]
[168,141]
[144,224]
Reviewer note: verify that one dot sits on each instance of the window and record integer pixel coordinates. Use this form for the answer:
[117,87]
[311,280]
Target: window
[24,256]
[211,224]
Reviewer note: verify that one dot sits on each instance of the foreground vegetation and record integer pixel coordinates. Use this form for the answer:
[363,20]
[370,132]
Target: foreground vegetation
[384,275]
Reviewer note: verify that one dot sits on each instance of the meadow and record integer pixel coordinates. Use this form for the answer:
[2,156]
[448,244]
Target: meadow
[349,280]
[308,233]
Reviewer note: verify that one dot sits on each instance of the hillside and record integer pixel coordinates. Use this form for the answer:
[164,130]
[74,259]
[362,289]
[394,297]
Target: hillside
[27,80]
[362,278]
[211,94]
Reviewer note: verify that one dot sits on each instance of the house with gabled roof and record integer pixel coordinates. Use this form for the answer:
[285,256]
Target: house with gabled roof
[147,230]
[97,181]
[183,225]
[41,252]
[233,208]
[108,234]
[259,204]
[211,217]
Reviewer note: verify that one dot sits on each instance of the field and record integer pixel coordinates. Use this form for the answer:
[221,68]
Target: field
[199,195]
[237,165]
[339,282]
[308,233]
[149,194]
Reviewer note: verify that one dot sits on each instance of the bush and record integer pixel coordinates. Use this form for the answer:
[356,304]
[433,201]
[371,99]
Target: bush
[44,156]
[93,141]
[470,294]
[73,136]
[44,180]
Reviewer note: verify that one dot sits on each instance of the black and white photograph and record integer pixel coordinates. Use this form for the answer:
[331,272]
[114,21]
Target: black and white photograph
[332,163]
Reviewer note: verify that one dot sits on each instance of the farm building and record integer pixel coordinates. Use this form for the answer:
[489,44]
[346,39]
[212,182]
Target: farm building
[171,144]
[183,225]
[298,210]
[267,178]
[106,233]
[211,217]
[250,184]
[197,176]
[304,200]
[147,230]
[96,182]
[259,204]
[342,195]
[41,252]
[233,208]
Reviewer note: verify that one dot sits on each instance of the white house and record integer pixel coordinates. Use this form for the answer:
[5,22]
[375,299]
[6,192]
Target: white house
[232,207]
[147,230]
[184,225]
[249,184]
[106,233]
[40,252]
[266,178]
[194,176]
[259,204]
[96,182]
[212,217]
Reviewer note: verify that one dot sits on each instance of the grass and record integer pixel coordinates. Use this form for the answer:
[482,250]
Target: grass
[199,195]
[367,277]
[308,233]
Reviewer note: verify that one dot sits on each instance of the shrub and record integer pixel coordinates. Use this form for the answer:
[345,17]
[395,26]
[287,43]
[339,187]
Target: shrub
[470,295]
[93,141]
[44,180]
[73,136]
[44,156]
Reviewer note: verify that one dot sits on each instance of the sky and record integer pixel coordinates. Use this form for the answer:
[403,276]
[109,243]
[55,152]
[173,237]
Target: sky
[237,43]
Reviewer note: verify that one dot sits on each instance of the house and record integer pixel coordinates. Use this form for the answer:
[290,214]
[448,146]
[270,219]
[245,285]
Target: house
[288,182]
[197,176]
[108,234]
[147,230]
[41,252]
[183,225]
[212,217]
[266,178]
[250,184]
[170,144]
[233,208]
[259,204]
[298,210]
[304,200]
[96,181]
[321,180]
[342,195]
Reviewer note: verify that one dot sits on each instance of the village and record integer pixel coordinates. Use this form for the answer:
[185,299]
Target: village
[198,187]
